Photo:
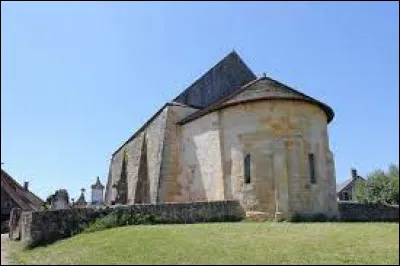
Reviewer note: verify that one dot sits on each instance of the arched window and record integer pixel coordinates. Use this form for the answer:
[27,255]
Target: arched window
[247,169]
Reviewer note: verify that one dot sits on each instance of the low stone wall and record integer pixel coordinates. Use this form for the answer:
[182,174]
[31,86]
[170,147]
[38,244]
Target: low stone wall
[372,212]
[39,227]
[48,226]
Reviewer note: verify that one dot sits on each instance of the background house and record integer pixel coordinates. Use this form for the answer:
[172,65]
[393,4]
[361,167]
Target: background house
[344,190]
[13,195]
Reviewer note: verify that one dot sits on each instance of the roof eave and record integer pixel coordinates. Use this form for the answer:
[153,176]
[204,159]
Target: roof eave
[221,104]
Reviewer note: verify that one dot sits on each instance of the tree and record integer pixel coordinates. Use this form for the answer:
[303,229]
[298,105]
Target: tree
[380,186]
[47,203]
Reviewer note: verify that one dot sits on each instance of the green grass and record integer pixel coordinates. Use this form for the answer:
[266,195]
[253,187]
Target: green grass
[225,243]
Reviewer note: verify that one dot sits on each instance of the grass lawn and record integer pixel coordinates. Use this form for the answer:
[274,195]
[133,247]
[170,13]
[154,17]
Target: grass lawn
[225,243]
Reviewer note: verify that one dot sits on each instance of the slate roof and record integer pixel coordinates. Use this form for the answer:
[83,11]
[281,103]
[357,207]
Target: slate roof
[274,90]
[25,199]
[346,183]
[221,80]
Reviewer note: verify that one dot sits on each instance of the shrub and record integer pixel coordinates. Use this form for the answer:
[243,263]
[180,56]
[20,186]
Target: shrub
[315,217]
[122,218]
[379,187]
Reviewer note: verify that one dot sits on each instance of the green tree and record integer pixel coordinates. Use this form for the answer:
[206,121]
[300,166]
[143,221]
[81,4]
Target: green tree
[380,186]
[46,205]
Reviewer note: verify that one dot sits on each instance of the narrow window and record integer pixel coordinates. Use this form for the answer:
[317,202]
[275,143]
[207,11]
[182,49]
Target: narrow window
[247,169]
[312,168]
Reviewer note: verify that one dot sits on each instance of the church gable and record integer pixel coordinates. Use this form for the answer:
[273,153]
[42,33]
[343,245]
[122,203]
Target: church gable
[220,81]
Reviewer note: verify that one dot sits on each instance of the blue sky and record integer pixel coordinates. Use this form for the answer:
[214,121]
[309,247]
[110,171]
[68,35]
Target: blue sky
[78,78]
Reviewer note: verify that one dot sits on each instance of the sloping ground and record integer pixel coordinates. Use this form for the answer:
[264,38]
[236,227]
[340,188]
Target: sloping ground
[226,243]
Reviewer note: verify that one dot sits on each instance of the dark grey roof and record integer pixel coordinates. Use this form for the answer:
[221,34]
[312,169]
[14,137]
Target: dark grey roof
[98,184]
[225,77]
[345,183]
[275,90]
[81,200]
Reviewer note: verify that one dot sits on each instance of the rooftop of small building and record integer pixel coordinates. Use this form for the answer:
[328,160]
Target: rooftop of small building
[23,197]
[348,181]
[98,184]
[81,200]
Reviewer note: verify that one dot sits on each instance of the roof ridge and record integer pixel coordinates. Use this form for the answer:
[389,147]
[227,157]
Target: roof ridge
[233,53]
[154,116]
[183,104]
[222,100]
[328,110]
[7,187]
[11,178]
[29,193]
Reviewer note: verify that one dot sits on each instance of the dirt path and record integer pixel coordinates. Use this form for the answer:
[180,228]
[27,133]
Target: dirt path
[4,252]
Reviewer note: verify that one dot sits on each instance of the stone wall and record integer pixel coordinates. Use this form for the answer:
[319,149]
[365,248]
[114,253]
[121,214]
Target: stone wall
[200,168]
[171,188]
[42,227]
[153,133]
[353,211]
[279,135]
[14,224]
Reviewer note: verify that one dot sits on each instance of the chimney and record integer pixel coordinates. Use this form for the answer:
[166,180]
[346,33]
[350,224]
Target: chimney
[26,184]
[353,173]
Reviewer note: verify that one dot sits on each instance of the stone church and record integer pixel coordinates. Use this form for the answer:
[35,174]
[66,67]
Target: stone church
[231,136]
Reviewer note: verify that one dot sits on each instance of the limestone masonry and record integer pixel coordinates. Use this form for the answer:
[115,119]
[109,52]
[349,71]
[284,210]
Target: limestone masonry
[231,136]
[44,227]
